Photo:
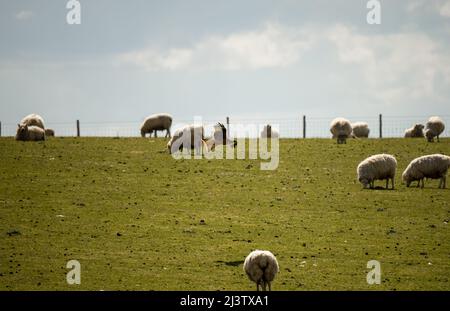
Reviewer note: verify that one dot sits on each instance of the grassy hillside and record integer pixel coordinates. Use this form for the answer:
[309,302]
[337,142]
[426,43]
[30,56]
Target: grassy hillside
[137,219]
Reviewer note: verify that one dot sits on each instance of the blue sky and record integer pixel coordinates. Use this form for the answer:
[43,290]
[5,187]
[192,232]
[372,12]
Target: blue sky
[129,59]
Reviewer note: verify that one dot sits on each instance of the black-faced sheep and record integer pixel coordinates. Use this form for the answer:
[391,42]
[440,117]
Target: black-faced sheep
[377,167]
[156,122]
[341,129]
[29,133]
[414,132]
[33,120]
[360,130]
[434,127]
[261,267]
[49,133]
[220,137]
[434,166]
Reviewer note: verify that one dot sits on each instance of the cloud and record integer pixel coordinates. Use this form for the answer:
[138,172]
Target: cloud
[441,7]
[395,67]
[444,9]
[24,15]
[271,47]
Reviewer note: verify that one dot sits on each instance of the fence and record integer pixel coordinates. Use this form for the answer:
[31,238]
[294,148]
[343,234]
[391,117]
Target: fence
[299,127]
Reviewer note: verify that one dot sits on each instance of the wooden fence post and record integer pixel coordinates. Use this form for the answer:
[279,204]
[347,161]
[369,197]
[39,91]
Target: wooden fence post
[78,128]
[381,125]
[0,128]
[228,125]
[304,126]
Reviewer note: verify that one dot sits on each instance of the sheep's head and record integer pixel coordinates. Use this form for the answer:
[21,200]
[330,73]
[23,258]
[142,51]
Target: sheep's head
[220,132]
[22,131]
[429,135]
[365,182]
[406,179]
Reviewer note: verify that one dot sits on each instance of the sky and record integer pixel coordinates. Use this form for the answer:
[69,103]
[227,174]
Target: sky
[249,59]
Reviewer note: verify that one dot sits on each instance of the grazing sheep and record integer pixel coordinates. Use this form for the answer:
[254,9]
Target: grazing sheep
[33,119]
[49,132]
[261,267]
[379,166]
[269,132]
[414,132]
[29,133]
[190,135]
[432,166]
[434,127]
[360,130]
[220,137]
[156,122]
[341,129]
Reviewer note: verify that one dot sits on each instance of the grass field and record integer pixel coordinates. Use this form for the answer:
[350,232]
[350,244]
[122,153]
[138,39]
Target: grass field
[136,219]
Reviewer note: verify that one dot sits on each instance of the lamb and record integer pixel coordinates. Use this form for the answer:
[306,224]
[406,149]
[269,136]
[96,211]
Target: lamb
[29,133]
[341,129]
[33,120]
[434,127]
[360,130]
[432,166]
[261,267]
[157,122]
[220,137]
[49,132]
[379,166]
[269,132]
[414,132]
[190,135]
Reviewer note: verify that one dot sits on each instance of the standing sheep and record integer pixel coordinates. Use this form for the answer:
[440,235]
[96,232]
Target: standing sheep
[29,133]
[434,127]
[432,166]
[341,129]
[190,135]
[414,132]
[379,166]
[261,267]
[33,119]
[156,122]
[360,130]
[269,132]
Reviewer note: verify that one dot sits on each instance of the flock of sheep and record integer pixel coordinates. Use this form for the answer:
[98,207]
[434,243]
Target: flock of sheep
[261,266]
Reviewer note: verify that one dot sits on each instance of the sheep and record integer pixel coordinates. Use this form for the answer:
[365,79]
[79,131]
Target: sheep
[33,119]
[434,127]
[220,137]
[49,132]
[269,132]
[432,166]
[414,132]
[379,166]
[29,133]
[341,129]
[190,135]
[360,130]
[157,122]
[261,267]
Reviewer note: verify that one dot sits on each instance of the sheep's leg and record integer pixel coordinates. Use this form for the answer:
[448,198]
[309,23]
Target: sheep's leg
[270,288]
[392,179]
[387,183]
[257,286]
[438,138]
[156,135]
[423,183]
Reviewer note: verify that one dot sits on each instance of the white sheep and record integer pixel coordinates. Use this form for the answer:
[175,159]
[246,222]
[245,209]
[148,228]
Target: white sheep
[49,132]
[341,129]
[29,133]
[434,127]
[414,132]
[269,132]
[379,166]
[33,120]
[360,130]
[220,137]
[261,267]
[156,122]
[190,135]
[432,166]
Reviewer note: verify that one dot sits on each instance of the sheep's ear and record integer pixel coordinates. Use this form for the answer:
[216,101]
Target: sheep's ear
[18,125]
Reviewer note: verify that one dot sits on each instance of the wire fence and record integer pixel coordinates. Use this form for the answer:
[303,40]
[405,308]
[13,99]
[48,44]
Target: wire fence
[293,127]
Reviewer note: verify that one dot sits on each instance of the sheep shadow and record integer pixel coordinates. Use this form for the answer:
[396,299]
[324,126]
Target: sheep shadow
[231,263]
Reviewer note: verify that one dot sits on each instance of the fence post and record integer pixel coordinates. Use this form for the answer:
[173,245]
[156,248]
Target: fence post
[228,125]
[381,125]
[0,128]
[304,126]
[78,128]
